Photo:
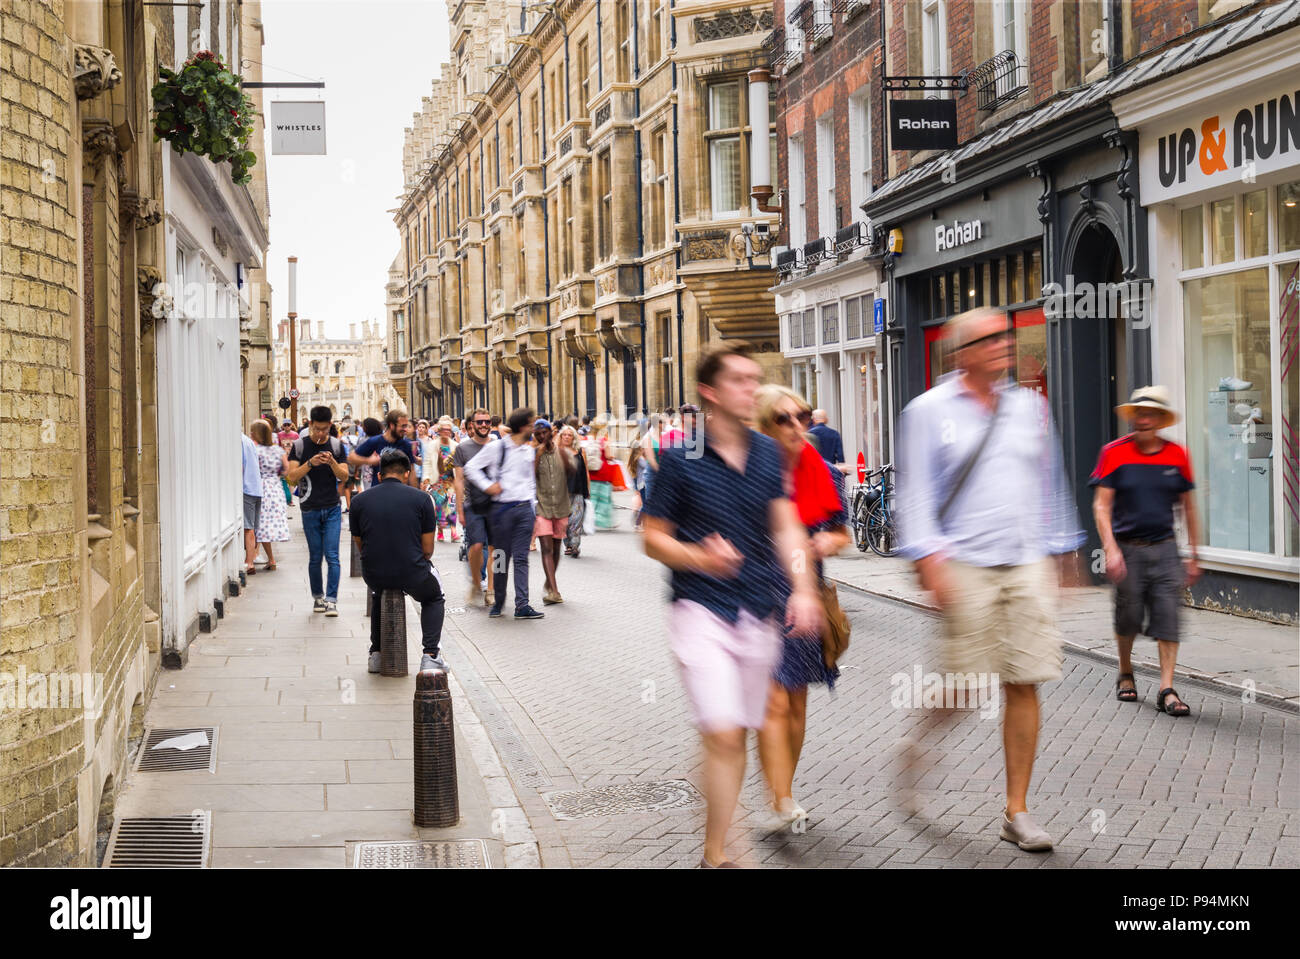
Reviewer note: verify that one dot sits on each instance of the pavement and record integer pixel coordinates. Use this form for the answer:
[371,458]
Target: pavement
[575,747]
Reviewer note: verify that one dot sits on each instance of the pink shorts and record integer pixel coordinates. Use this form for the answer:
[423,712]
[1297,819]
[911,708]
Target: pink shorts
[559,528]
[726,667]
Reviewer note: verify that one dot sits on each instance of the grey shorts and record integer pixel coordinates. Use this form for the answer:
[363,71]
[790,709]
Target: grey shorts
[252,510]
[1152,590]
[476,530]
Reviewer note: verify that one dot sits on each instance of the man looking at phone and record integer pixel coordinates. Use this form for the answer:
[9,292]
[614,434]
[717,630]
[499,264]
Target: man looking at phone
[322,461]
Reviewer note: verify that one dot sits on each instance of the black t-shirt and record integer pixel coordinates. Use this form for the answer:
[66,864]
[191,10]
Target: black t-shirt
[390,518]
[320,484]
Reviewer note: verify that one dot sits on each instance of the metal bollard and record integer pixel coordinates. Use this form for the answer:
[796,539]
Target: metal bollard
[354,567]
[392,633]
[437,801]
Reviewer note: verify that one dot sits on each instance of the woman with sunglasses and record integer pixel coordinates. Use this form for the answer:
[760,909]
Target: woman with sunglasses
[784,415]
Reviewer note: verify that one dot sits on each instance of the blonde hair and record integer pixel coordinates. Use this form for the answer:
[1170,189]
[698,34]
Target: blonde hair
[769,397]
[599,423]
[567,431]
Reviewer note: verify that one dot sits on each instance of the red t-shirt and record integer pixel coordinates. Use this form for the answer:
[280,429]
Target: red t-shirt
[1146,485]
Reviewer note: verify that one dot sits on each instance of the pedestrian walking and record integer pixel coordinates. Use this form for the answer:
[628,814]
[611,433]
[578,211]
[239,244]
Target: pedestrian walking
[722,522]
[441,471]
[252,499]
[393,524]
[983,504]
[579,491]
[605,475]
[504,470]
[472,504]
[366,454]
[784,415]
[553,466]
[272,518]
[1138,481]
[319,460]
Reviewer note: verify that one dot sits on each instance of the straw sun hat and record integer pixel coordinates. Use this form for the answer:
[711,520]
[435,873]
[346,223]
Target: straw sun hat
[1151,398]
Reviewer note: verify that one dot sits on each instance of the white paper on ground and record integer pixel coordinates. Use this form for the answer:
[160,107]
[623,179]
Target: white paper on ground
[188,741]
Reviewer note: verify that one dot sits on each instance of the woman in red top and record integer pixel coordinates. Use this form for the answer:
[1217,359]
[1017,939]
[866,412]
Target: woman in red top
[605,474]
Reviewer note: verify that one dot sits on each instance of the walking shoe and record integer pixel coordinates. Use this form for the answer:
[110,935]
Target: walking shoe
[372,664]
[432,662]
[318,605]
[494,612]
[1025,833]
[550,596]
[331,609]
[725,864]
[528,613]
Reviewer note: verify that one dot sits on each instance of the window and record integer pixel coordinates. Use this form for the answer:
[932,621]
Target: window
[584,78]
[605,222]
[934,38]
[566,251]
[798,202]
[859,152]
[664,327]
[623,31]
[654,36]
[499,286]
[827,218]
[853,318]
[809,327]
[794,330]
[490,164]
[658,182]
[823,21]
[1241,326]
[535,123]
[509,151]
[725,128]
[1009,29]
[793,42]
[831,323]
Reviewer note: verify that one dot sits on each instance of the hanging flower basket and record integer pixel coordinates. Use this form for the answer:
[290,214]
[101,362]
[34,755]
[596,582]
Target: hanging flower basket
[202,109]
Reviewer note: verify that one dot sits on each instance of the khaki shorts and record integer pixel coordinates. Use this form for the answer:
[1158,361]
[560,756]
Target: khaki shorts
[1002,620]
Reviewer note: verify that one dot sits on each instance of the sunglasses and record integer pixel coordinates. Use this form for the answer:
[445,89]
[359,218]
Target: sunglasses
[784,419]
[999,335]
[482,422]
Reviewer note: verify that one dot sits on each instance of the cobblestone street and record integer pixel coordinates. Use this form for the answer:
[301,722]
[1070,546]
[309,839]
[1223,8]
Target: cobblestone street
[590,698]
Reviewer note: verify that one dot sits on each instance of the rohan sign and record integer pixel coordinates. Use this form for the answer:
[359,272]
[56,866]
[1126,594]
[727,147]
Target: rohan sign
[949,237]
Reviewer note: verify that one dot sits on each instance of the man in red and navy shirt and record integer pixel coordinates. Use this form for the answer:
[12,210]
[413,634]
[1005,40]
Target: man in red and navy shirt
[1138,480]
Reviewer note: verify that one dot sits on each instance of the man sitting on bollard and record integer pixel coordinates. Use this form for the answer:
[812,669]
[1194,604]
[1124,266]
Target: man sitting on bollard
[393,524]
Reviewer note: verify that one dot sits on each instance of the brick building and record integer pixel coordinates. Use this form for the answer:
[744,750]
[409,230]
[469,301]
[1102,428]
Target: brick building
[825,57]
[576,224]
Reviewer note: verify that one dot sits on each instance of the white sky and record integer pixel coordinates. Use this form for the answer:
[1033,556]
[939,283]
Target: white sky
[377,59]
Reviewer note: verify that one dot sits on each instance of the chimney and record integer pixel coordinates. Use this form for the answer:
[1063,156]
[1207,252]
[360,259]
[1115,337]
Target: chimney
[320,329]
[352,331]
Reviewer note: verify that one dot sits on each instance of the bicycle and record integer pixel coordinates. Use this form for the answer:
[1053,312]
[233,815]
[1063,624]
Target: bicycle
[873,513]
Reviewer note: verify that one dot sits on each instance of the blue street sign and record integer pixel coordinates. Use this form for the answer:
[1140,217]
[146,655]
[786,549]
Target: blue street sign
[878,316]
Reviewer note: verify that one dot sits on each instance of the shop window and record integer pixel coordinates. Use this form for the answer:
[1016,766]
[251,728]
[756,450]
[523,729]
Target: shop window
[853,318]
[1031,349]
[1288,216]
[1254,231]
[1288,286]
[1223,231]
[794,327]
[1193,228]
[831,323]
[809,327]
[1230,415]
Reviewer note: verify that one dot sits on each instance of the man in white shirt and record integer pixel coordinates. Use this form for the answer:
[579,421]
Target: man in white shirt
[504,470]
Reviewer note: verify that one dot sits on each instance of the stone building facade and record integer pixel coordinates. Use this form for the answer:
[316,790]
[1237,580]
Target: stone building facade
[255,322]
[350,375]
[82,255]
[576,223]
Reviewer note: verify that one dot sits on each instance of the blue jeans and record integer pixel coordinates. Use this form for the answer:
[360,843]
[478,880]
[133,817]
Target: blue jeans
[511,530]
[321,527]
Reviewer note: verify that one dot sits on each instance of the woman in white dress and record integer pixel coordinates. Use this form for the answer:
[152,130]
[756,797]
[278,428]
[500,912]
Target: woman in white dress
[272,521]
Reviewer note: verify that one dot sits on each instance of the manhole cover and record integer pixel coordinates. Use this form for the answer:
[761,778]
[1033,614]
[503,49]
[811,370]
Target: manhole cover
[622,798]
[167,750]
[461,854]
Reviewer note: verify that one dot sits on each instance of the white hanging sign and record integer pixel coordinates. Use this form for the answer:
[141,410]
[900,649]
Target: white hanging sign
[298,127]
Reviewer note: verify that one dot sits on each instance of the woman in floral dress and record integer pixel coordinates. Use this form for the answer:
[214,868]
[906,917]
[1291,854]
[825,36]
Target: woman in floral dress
[272,521]
[441,485]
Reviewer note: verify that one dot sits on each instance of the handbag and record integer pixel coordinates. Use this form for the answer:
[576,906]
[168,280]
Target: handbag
[588,518]
[835,638]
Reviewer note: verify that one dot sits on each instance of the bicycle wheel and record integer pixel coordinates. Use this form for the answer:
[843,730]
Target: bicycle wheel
[881,534]
[861,510]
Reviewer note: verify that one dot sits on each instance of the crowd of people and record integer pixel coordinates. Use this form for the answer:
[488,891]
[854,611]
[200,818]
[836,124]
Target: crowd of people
[742,498]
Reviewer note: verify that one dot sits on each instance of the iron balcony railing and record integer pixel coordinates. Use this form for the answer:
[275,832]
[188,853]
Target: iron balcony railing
[998,80]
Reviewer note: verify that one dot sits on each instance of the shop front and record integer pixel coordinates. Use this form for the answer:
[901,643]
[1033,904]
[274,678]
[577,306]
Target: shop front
[1046,226]
[1219,149]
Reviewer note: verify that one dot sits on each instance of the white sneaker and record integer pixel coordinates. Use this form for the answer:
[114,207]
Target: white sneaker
[1234,384]
[432,662]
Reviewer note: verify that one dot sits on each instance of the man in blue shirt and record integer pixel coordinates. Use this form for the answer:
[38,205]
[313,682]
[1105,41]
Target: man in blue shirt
[252,501]
[831,445]
[721,521]
[982,505]
[367,452]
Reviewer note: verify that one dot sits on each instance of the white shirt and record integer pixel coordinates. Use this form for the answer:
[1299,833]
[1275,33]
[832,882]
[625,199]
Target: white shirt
[516,476]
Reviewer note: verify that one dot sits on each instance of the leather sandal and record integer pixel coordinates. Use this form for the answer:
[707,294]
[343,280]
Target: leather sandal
[1179,708]
[1126,695]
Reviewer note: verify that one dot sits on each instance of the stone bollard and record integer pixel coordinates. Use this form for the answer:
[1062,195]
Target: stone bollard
[354,567]
[437,801]
[392,633]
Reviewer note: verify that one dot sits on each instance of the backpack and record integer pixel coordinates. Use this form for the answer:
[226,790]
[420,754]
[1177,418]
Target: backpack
[296,452]
[479,501]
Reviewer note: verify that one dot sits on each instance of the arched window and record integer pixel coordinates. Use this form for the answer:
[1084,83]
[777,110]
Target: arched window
[338,366]
[315,366]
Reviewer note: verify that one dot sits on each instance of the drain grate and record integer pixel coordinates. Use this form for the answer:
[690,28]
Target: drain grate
[623,798]
[458,854]
[153,760]
[161,842]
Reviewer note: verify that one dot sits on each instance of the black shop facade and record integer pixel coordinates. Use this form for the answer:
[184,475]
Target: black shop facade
[1047,226]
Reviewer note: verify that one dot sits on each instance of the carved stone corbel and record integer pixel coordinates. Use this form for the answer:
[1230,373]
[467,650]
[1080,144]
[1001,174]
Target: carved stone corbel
[144,210]
[97,140]
[155,301]
[94,71]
